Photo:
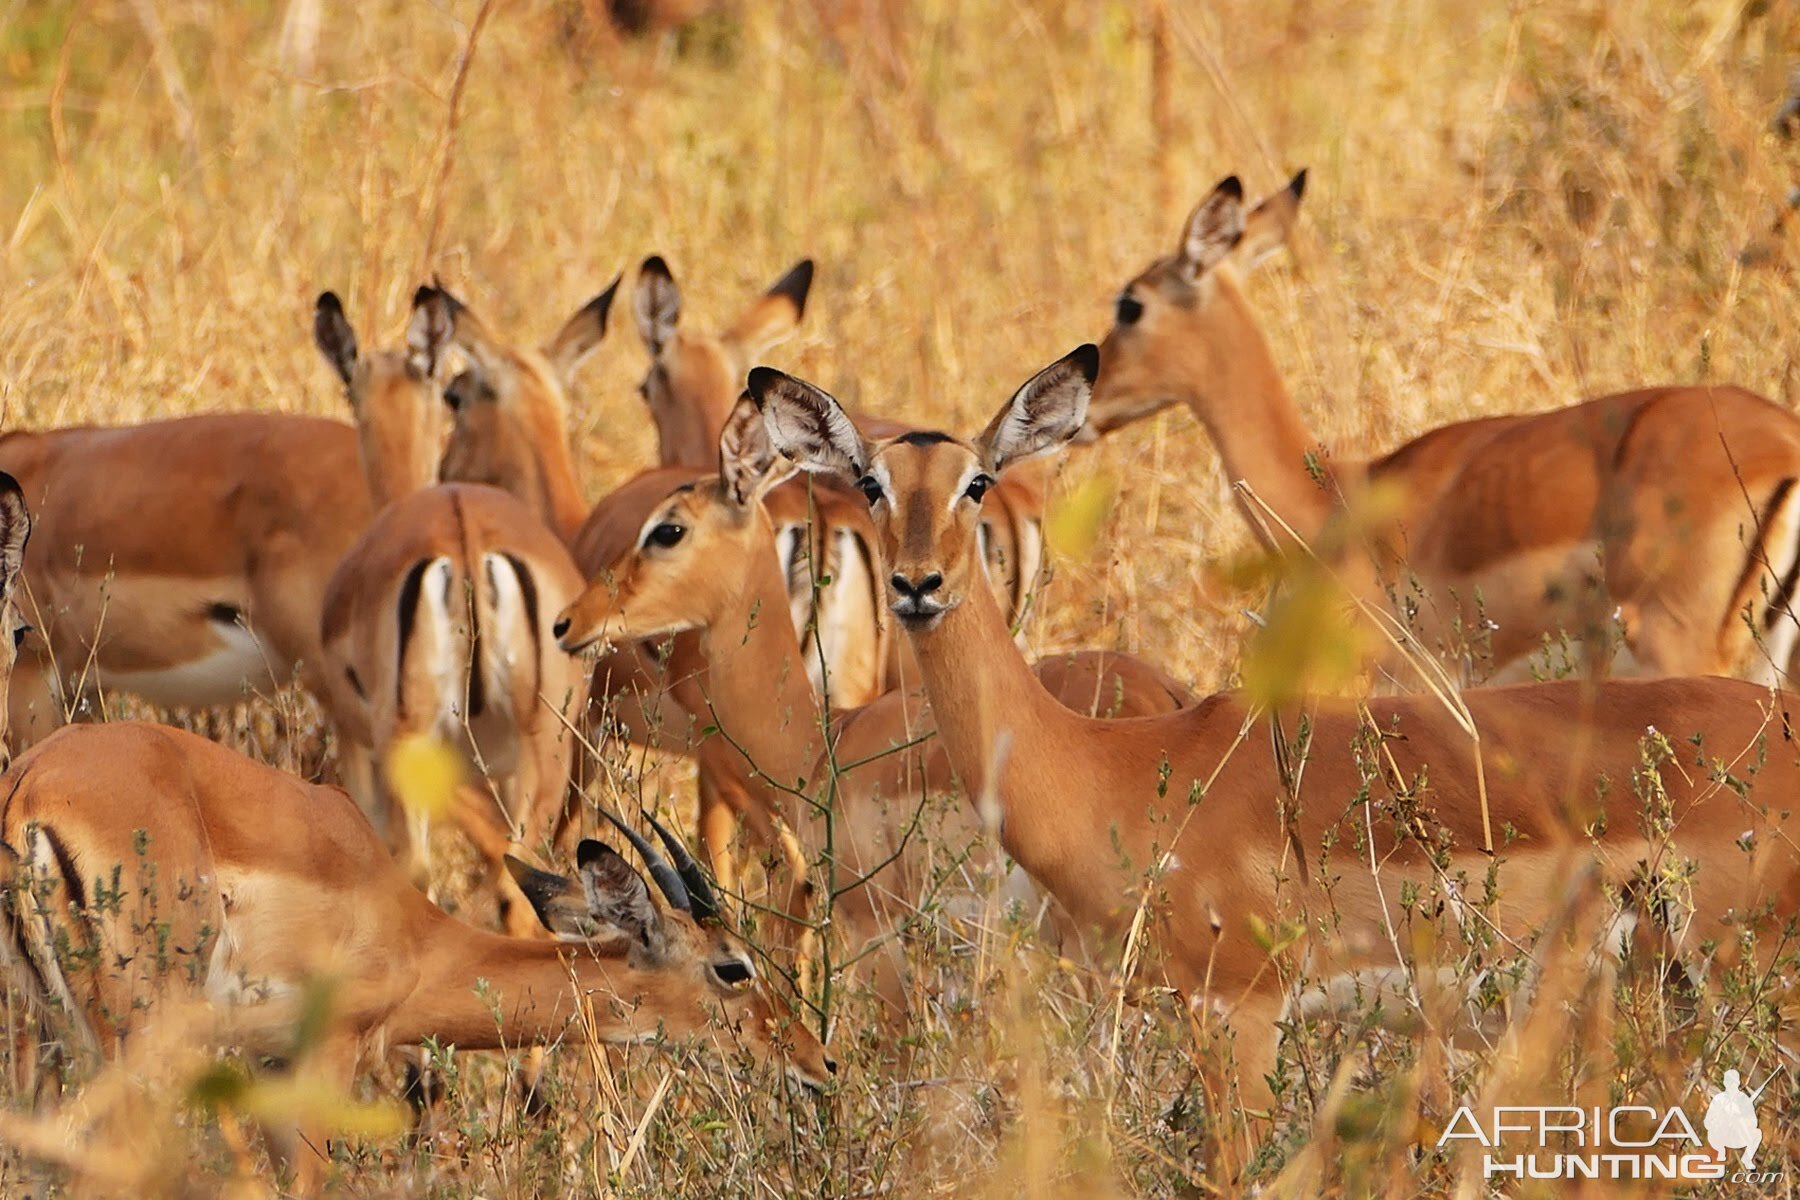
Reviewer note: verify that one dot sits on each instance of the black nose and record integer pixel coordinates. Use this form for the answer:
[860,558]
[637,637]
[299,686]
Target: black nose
[830,1065]
[924,587]
[561,627]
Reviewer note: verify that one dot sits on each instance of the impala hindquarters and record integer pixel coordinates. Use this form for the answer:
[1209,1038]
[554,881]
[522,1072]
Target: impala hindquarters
[437,623]
[1571,774]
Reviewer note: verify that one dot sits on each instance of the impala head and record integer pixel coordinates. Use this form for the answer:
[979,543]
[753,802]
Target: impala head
[15,529]
[1177,326]
[510,407]
[694,377]
[672,576]
[925,490]
[394,394]
[704,977]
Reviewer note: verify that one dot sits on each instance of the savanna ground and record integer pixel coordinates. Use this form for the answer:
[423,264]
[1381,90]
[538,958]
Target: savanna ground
[1509,207]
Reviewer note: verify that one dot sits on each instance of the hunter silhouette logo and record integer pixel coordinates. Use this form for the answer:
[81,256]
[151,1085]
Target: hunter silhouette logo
[1624,1141]
[1731,1121]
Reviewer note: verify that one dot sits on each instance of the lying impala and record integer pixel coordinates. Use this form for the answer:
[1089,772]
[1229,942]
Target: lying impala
[437,622]
[1098,811]
[1676,507]
[262,883]
[693,383]
[890,823]
[201,594]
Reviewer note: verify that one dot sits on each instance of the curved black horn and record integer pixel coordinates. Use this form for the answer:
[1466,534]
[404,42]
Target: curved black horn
[706,902]
[673,889]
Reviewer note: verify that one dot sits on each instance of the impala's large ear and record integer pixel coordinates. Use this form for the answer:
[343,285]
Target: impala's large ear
[15,531]
[431,330]
[581,334]
[618,895]
[1213,230]
[1044,414]
[656,304]
[1267,227]
[333,335]
[746,455]
[776,312]
[559,902]
[807,426]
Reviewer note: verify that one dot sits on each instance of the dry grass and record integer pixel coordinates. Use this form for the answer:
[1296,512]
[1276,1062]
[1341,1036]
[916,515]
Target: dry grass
[1509,208]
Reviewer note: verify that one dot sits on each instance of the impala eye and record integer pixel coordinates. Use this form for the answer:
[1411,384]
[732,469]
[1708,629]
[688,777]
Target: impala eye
[978,487]
[734,972]
[666,535]
[19,635]
[870,488]
[1130,308]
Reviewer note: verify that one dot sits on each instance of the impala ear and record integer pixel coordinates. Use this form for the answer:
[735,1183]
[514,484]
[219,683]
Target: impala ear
[1044,414]
[333,335]
[746,455]
[656,304]
[618,895]
[431,330]
[1267,227]
[581,334]
[776,313]
[558,902]
[15,531]
[807,426]
[1213,229]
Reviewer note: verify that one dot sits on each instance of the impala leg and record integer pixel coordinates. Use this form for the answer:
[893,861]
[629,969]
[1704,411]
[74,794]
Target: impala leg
[302,1143]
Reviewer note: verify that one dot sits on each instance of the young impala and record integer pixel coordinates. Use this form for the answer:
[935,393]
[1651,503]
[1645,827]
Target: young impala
[262,885]
[890,828]
[437,622]
[1191,814]
[202,594]
[1677,508]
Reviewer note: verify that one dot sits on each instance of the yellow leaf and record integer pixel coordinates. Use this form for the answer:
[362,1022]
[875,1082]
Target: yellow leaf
[1074,526]
[1312,643]
[424,773]
[313,1102]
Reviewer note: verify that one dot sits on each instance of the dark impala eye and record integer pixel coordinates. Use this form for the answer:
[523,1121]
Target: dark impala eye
[870,488]
[978,487]
[666,535]
[1130,308]
[733,973]
[19,635]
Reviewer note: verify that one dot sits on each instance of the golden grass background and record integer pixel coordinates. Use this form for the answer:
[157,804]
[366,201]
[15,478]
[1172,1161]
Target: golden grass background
[1510,207]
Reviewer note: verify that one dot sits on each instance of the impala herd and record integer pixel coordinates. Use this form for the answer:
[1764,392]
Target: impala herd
[825,612]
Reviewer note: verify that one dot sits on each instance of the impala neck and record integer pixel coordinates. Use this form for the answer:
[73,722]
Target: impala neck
[1237,392]
[530,993]
[991,711]
[561,500]
[756,678]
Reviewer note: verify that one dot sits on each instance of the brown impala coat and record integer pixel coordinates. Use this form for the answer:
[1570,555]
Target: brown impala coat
[1092,808]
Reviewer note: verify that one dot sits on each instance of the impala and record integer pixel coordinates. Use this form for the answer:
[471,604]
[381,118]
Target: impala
[201,594]
[1675,508]
[263,885]
[437,622]
[693,383]
[668,580]
[1108,815]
